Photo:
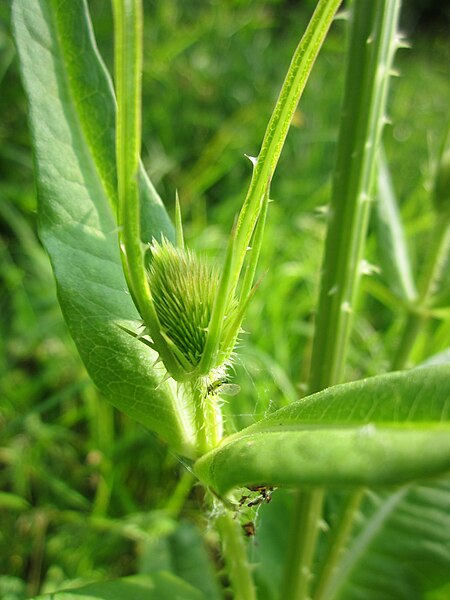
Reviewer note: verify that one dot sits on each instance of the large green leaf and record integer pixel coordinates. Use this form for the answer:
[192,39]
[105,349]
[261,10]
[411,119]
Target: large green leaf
[159,586]
[71,108]
[387,429]
[183,553]
[400,547]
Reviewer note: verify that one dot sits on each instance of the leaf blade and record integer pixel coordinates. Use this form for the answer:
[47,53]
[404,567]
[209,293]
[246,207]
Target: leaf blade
[158,586]
[74,150]
[418,518]
[384,430]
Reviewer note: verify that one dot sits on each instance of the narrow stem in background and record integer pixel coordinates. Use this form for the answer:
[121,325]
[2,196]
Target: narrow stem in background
[372,46]
[306,523]
[177,500]
[337,546]
[435,261]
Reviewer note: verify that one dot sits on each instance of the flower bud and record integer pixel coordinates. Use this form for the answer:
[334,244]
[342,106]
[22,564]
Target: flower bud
[183,287]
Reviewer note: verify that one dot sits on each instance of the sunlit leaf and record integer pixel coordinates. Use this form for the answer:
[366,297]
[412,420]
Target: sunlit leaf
[383,430]
[159,586]
[72,123]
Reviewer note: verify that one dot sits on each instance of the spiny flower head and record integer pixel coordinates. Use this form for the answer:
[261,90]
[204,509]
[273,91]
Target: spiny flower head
[183,286]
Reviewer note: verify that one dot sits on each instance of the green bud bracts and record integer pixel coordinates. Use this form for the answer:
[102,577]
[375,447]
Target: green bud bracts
[184,287]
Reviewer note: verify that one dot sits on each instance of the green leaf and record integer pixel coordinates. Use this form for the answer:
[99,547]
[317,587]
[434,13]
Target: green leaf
[71,108]
[160,586]
[442,358]
[392,247]
[9,501]
[401,548]
[387,429]
[183,553]
[271,543]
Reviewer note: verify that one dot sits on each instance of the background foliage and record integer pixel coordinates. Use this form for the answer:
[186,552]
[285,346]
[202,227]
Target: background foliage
[85,492]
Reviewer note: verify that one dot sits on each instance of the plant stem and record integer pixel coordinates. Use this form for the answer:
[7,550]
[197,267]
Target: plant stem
[264,166]
[128,68]
[372,45]
[279,123]
[128,25]
[178,498]
[413,326]
[306,525]
[436,259]
[338,544]
[235,555]
[208,418]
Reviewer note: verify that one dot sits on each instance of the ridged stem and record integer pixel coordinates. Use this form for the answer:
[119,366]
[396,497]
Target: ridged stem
[372,45]
[234,552]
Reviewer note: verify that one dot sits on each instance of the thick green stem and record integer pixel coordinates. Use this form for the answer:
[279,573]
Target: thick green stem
[208,417]
[235,555]
[372,45]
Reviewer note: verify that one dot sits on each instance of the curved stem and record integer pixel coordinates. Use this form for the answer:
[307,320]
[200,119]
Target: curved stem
[436,259]
[413,326]
[280,121]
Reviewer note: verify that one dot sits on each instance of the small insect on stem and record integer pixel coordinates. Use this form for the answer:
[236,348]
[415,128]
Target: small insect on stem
[265,495]
[249,529]
[221,386]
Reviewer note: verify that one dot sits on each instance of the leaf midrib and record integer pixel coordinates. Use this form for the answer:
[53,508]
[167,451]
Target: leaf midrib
[75,112]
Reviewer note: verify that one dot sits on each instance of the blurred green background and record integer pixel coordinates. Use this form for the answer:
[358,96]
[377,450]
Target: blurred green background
[85,493]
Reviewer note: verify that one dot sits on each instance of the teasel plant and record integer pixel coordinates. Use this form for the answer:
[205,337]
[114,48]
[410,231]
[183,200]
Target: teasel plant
[192,310]
[360,437]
